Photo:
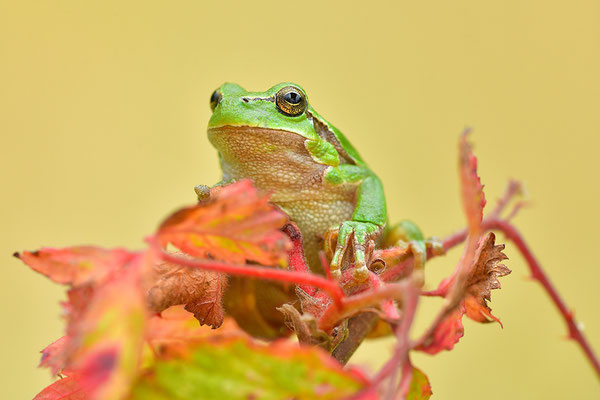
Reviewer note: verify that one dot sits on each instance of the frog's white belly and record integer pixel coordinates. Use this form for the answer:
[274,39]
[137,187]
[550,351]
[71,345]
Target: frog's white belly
[277,161]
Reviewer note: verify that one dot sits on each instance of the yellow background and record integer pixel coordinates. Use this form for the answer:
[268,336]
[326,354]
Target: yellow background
[103,108]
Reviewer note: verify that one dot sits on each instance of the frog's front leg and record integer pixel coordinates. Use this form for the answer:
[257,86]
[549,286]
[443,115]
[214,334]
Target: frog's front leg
[367,222]
[355,235]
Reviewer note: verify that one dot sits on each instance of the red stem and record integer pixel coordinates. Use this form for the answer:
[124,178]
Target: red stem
[388,307]
[400,357]
[537,273]
[353,304]
[274,274]
[393,273]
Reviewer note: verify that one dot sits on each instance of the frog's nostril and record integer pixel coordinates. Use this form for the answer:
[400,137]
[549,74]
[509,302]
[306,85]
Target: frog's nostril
[215,98]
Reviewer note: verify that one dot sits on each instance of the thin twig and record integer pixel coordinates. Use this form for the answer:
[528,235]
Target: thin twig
[513,188]
[515,210]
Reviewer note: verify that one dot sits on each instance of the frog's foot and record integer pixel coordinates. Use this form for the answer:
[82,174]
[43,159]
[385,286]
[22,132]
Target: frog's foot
[435,245]
[203,191]
[407,236]
[418,249]
[358,237]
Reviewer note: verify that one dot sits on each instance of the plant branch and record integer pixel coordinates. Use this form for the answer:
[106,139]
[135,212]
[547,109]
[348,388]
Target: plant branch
[361,324]
[400,358]
[354,304]
[537,273]
[388,307]
[455,294]
[359,327]
[274,274]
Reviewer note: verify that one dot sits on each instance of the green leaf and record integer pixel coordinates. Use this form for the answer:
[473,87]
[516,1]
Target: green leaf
[238,369]
[420,389]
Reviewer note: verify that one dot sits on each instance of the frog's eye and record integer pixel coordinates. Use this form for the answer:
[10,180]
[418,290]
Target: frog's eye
[215,98]
[291,101]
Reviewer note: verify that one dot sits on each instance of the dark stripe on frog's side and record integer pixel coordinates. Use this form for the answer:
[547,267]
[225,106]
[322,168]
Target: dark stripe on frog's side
[327,135]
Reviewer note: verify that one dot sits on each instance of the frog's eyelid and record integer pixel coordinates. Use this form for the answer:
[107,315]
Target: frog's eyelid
[248,99]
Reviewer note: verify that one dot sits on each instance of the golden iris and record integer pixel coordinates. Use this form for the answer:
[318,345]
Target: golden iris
[291,101]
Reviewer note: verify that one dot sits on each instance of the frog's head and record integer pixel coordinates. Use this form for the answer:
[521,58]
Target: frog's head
[273,125]
[283,107]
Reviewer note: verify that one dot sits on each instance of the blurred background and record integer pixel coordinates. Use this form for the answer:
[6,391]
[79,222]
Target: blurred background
[103,113]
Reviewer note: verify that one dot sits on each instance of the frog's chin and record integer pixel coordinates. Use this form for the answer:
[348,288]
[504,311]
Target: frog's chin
[254,142]
[271,157]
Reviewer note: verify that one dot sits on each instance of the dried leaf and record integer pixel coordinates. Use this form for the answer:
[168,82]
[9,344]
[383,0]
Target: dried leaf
[200,290]
[483,278]
[236,225]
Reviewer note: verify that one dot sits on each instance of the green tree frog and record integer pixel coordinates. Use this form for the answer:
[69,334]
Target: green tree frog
[276,139]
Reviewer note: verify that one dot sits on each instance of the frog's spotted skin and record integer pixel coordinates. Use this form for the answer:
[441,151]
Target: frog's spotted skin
[314,173]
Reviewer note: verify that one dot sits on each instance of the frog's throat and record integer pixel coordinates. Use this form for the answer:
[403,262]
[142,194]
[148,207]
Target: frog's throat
[254,142]
[247,152]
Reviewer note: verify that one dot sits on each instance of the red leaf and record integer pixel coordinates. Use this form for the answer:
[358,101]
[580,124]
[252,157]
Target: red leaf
[67,388]
[53,356]
[97,368]
[473,198]
[76,265]
[236,225]
[447,333]
[87,269]
[106,341]
[105,324]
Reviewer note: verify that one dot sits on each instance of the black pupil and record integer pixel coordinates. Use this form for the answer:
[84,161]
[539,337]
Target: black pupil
[292,97]
[214,98]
